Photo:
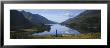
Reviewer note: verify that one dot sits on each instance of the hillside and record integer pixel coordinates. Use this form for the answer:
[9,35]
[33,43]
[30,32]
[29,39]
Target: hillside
[36,18]
[21,27]
[18,19]
[21,20]
[88,21]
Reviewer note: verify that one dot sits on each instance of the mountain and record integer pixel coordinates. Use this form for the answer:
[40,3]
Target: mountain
[87,21]
[18,19]
[36,18]
[26,20]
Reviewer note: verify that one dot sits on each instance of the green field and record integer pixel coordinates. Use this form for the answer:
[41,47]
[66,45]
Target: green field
[28,35]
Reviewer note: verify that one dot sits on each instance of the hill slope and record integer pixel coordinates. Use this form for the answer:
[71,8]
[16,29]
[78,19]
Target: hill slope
[36,18]
[88,21]
[18,19]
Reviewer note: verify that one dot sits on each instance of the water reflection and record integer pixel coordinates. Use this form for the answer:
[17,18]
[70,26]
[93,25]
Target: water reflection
[61,29]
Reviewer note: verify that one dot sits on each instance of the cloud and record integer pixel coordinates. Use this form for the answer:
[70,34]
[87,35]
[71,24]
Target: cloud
[66,14]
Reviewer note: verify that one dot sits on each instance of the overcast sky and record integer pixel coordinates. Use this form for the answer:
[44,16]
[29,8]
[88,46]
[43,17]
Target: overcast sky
[57,15]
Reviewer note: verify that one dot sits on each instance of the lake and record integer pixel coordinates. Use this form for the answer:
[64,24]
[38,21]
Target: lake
[61,29]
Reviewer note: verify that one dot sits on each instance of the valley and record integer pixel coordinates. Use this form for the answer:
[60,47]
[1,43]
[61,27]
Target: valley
[25,25]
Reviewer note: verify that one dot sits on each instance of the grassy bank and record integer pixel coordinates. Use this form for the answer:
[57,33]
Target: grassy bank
[80,36]
[28,35]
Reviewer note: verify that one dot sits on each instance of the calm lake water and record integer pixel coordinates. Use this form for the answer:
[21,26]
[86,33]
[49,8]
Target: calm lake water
[61,29]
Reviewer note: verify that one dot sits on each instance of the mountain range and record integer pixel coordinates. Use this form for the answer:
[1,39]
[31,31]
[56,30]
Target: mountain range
[36,18]
[87,21]
[22,18]
[18,19]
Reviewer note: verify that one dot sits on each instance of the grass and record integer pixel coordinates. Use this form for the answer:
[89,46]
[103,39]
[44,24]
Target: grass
[28,35]
[29,30]
[19,35]
[80,36]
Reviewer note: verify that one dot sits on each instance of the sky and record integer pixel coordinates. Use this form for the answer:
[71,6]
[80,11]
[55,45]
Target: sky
[56,15]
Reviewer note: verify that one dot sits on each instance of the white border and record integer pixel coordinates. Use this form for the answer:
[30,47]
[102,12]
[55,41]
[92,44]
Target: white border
[102,41]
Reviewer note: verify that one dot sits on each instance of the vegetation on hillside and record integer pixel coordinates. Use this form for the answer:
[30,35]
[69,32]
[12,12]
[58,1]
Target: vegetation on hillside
[86,22]
[21,26]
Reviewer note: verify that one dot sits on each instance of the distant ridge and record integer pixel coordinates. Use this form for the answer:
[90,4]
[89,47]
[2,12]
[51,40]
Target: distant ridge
[36,18]
[22,18]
